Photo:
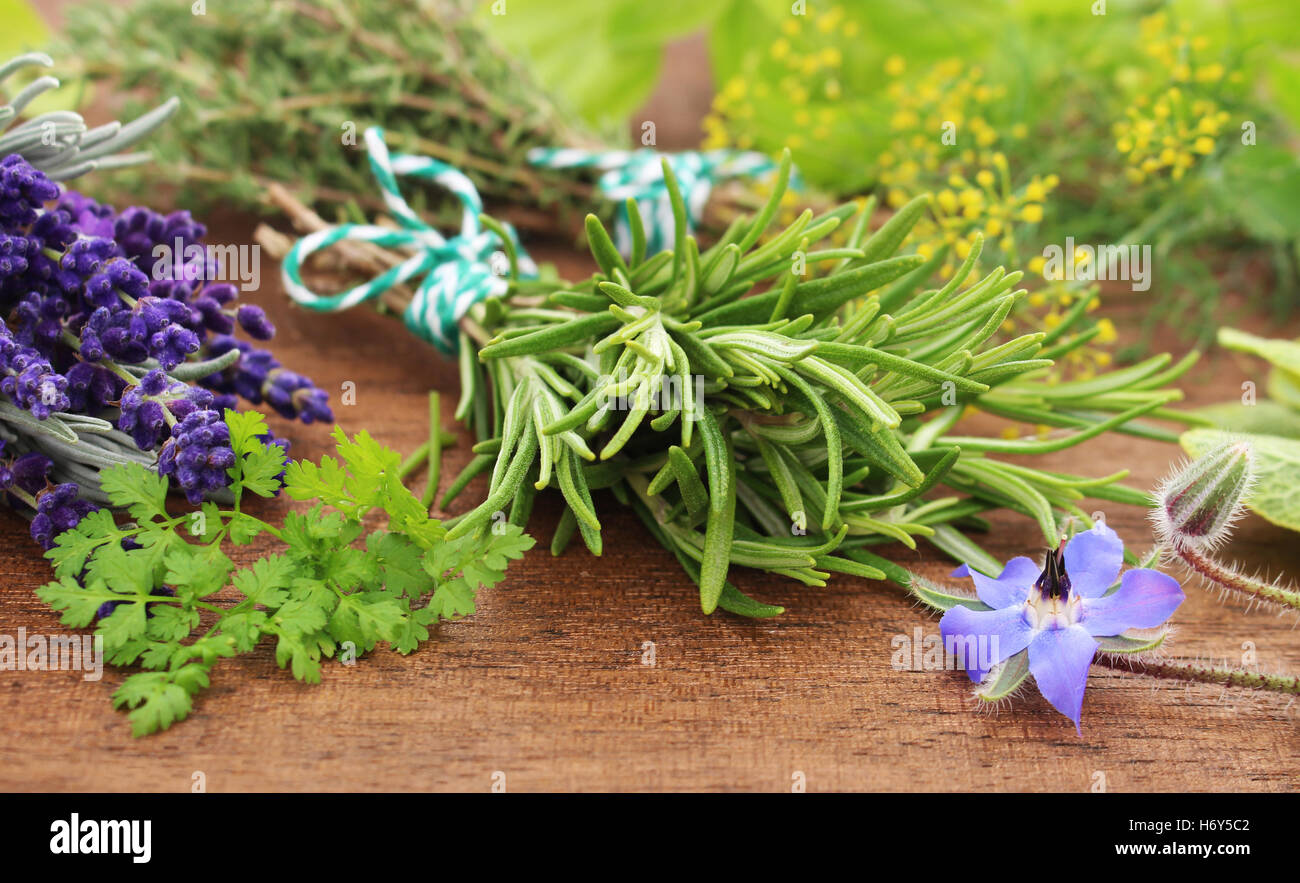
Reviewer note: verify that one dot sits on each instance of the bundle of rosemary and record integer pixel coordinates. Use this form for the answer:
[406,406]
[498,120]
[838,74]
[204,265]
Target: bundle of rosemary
[771,403]
[280,92]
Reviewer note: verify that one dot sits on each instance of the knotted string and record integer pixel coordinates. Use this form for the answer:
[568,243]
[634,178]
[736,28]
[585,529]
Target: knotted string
[638,174]
[457,272]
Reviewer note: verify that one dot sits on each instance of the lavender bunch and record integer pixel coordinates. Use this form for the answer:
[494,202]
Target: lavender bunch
[109,355]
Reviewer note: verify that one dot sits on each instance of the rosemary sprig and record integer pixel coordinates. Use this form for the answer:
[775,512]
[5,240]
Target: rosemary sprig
[807,422]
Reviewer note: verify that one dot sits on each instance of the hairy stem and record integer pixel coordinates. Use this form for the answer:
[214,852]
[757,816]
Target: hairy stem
[1234,580]
[1204,674]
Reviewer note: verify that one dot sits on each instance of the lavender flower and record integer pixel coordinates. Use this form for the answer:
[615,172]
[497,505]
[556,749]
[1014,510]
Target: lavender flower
[58,509]
[1056,613]
[259,377]
[28,378]
[198,454]
[27,473]
[24,190]
[91,387]
[87,216]
[84,297]
[254,322]
[145,408]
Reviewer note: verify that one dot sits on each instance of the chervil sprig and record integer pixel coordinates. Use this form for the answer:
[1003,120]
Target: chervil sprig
[164,594]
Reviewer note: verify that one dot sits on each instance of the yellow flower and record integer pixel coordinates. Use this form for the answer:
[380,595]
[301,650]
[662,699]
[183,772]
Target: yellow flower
[1106,331]
[1211,73]
[895,65]
[780,49]
[1204,144]
[1032,213]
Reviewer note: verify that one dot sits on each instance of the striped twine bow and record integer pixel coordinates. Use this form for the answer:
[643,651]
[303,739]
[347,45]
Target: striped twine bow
[638,175]
[457,272]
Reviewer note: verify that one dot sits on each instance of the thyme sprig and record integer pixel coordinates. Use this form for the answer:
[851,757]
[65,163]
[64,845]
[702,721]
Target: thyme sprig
[276,89]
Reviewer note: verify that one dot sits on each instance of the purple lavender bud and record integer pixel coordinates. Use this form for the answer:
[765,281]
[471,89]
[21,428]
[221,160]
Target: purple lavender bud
[253,320]
[87,216]
[29,471]
[23,191]
[222,292]
[16,253]
[140,231]
[92,347]
[58,509]
[92,387]
[172,345]
[27,377]
[54,230]
[214,318]
[198,454]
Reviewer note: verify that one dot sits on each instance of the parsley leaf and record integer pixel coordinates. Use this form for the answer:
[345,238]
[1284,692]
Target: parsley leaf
[364,566]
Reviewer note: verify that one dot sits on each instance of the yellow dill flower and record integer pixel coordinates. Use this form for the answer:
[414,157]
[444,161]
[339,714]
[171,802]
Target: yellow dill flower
[1032,213]
[1106,331]
[895,65]
[1211,73]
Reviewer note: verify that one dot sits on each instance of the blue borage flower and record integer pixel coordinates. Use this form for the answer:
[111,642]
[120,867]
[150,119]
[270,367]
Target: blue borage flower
[1056,613]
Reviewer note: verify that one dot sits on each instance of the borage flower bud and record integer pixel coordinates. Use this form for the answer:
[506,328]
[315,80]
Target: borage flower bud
[1197,504]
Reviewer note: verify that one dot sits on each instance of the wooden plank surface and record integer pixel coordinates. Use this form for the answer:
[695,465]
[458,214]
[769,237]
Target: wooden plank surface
[548,684]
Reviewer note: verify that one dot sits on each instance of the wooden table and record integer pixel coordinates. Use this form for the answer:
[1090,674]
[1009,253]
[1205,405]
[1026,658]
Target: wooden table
[547,685]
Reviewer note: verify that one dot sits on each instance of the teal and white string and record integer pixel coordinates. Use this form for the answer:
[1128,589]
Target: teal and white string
[457,271]
[638,175]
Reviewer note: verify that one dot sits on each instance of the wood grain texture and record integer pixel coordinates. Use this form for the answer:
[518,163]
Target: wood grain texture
[547,685]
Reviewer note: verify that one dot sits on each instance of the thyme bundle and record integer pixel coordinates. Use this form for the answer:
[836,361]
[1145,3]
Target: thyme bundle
[281,88]
[773,403]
